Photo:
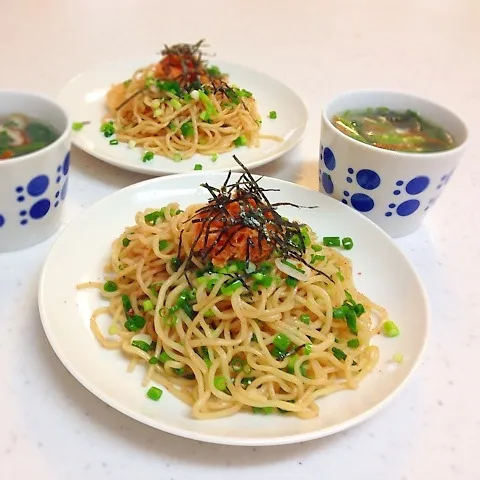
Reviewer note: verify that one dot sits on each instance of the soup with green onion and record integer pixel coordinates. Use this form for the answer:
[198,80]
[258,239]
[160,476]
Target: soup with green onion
[20,135]
[404,131]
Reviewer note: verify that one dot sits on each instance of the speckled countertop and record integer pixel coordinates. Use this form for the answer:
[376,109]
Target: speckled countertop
[52,428]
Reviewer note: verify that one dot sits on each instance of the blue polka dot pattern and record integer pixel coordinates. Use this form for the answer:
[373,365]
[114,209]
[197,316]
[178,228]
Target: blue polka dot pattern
[368,179]
[66,164]
[408,207]
[350,170]
[40,209]
[2,221]
[329,159]
[38,185]
[417,185]
[399,183]
[19,189]
[397,192]
[362,202]
[327,183]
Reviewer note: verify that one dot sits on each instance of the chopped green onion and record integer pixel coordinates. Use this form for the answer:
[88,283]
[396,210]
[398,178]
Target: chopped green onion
[168,317]
[153,361]
[147,156]
[305,318]
[351,319]
[164,357]
[112,329]
[272,115]
[108,129]
[398,357]
[307,349]
[152,217]
[177,157]
[340,312]
[263,411]
[198,166]
[282,342]
[154,393]
[339,354]
[247,381]
[209,314]
[141,345]
[126,242]
[220,383]
[292,360]
[134,323]
[127,305]
[390,329]
[155,103]
[292,265]
[304,369]
[359,309]
[348,296]
[291,282]
[305,235]
[237,364]
[187,129]
[266,281]
[316,248]
[278,354]
[241,141]
[163,244]
[317,258]
[331,241]
[353,343]
[148,305]
[340,276]
[230,287]
[126,83]
[77,126]
[214,157]
[113,142]
[347,243]
[175,104]
[179,371]
[110,286]
[265,267]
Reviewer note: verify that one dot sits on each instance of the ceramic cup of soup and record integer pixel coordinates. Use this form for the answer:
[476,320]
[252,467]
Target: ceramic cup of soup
[34,166]
[389,155]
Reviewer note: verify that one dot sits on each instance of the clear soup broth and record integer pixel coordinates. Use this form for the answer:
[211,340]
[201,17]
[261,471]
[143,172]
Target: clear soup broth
[404,131]
[20,135]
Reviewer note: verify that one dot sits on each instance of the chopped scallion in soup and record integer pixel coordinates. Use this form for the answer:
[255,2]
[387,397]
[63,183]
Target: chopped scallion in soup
[20,135]
[404,131]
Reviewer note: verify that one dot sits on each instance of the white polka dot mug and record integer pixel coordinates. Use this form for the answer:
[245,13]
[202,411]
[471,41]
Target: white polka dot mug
[33,186]
[394,189]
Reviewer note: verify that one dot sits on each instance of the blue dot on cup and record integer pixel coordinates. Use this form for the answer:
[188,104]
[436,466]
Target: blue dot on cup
[349,179]
[396,192]
[368,179]
[38,185]
[327,183]
[21,198]
[350,170]
[362,202]
[399,183]
[23,213]
[2,221]
[19,189]
[66,164]
[329,159]
[40,209]
[24,221]
[408,207]
[347,194]
[388,214]
[417,185]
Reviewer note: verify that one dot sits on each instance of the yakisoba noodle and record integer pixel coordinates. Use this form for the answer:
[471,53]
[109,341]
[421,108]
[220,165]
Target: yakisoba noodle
[226,334]
[181,106]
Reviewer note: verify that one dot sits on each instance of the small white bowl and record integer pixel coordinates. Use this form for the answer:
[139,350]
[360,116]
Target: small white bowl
[394,189]
[33,187]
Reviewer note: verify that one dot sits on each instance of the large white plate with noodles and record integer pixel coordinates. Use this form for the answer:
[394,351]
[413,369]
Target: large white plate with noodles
[380,270]
[84,99]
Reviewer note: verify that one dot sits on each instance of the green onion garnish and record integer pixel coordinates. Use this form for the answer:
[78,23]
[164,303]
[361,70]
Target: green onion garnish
[187,129]
[175,104]
[340,312]
[263,411]
[153,361]
[353,343]
[331,241]
[316,248]
[176,263]
[282,342]
[390,329]
[209,314]
[272,115]
[148,305]
[229,287]
[168,317]
[291,282]
[141,345]
[214,157]
[108,129]
[154,393]
[134,323]
[77,126]
[359,309]
[220,383]
[305,318]
[339,354]
[164,357]
[398,357]
[113,142]
[237,364]
[163,244]
[307,349]
[147,156]
[127,305]
[340,276]
[241,141]
[126,242]
[152,217]
[198,166]
[177,157]
[347,243]
[110,286]
[351,319]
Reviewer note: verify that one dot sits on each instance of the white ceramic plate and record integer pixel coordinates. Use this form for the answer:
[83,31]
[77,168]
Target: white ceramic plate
[84,99]
[381,271]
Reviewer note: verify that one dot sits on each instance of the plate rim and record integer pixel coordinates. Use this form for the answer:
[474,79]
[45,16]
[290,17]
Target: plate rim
[213,438]
[143,168]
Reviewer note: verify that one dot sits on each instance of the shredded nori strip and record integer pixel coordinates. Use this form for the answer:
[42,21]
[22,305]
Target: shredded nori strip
[256,213]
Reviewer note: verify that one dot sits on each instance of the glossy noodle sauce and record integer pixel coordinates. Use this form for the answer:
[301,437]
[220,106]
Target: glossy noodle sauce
[404,131]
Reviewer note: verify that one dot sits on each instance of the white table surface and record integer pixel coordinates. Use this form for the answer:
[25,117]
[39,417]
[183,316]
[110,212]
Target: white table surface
[53,428]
